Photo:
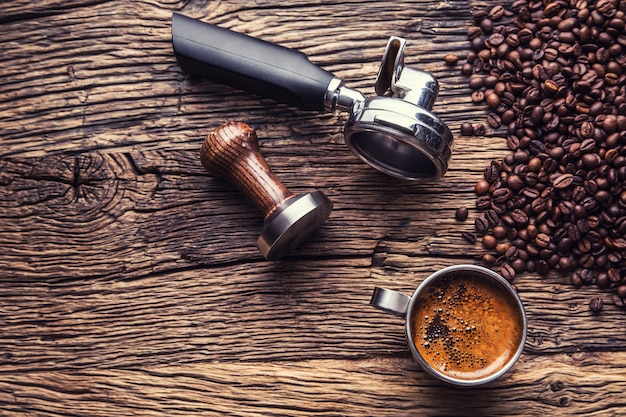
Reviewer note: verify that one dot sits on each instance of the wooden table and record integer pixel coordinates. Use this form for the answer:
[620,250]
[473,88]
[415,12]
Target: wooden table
[131,283]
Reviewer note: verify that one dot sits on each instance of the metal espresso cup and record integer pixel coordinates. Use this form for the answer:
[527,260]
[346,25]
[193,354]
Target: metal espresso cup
[465,324]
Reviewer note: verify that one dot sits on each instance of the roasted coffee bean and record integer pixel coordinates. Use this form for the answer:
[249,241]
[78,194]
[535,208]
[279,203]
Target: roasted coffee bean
[489,242]
[602,280]
[562,181]
[501,195]
[507,272]
[576,280]
[494,120]
[501,248]
[488,258]
[483,202]
[482,187]
[479,129]
[492,217]
[595,305]
[554,78]
[461,214]
[542,240]
[499,232]
[497,12]
[519,265]
[519,217]
[492,172]
[542,267]
[481,224]
[614,275]
[512,253]
[538,205]
[478,97]
[565,245]
[451,59]
[469,236]
[587,276]
[467,129]
[586,261]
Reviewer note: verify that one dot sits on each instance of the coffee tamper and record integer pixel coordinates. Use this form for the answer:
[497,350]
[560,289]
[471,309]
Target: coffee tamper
[232,152]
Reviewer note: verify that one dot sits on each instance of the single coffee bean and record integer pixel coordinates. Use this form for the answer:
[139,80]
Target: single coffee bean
[501,195]
[483,202]
[481,187]
[492,217]
[542,267]
[467,129]
[564,245]
[562,181]
[538,205]
[587,276]
[507,272]
[576,280]
[481,224]
[499,232]
[595,305]
[602,280]
[497,12]
[478,97]
[461,214]
[613,274]
[501,248]
[621,291]
[479,129]
[587,261]
[542,240]
[512,253]
[519,217]
[489,241]
[495,40]
[489,259]
[451,59]
[494,120]
[469,236]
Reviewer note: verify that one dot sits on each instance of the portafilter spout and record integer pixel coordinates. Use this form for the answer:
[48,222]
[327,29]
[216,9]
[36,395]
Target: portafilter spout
[395,132]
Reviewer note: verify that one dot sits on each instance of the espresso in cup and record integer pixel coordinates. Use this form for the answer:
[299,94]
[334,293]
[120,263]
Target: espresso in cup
[465,324]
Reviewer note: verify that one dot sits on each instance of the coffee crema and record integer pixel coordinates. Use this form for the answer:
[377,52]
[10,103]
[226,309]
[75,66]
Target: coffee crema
[465,326]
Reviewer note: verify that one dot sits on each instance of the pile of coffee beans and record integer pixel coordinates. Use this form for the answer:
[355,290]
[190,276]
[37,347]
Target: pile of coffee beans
[553,75]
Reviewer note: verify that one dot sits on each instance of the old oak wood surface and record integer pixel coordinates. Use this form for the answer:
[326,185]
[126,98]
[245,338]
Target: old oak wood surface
[130,283]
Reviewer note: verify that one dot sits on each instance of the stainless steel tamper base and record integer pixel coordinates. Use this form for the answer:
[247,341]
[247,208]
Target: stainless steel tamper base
[293,222]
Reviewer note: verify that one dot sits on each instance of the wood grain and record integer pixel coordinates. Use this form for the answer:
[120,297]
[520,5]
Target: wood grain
[131,283]
[560,385]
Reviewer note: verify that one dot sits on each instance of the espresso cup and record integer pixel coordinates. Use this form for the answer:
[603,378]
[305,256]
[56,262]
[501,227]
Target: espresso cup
[465,324]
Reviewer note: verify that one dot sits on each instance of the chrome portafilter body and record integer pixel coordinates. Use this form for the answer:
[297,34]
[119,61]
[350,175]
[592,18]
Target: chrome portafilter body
[394,132]
[399,139]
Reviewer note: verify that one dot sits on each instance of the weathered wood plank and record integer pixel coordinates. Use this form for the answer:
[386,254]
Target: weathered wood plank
[255,311]
[554,385]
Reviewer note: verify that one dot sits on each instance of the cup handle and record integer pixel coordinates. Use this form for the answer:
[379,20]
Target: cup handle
[390,301]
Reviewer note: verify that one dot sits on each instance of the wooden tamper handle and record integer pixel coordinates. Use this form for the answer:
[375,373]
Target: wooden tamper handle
[232,152]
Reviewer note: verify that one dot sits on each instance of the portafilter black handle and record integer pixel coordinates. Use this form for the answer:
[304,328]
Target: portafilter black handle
[249,64]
